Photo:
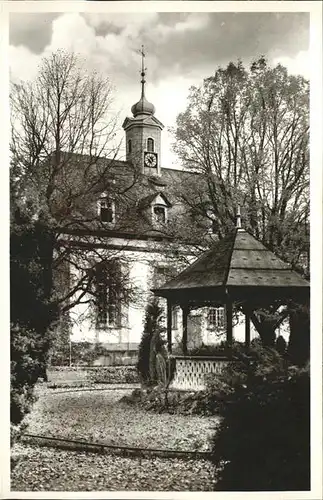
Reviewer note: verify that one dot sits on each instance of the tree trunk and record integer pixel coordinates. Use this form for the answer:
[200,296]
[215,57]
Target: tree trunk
[299,340]
[266,329]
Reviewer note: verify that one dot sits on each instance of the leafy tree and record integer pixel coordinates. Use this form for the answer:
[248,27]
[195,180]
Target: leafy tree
[246,133]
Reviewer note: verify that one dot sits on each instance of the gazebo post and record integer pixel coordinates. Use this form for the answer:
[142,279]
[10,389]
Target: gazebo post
[228,311]
[185,311]
[169,326]
[247,328]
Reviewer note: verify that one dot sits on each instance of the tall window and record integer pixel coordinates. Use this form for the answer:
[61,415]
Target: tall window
[129,146]
[216,318]
[108,294]
[106,209]
[150,145]
[160,214]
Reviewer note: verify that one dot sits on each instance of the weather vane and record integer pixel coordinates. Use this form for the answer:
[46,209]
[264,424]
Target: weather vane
[143,69]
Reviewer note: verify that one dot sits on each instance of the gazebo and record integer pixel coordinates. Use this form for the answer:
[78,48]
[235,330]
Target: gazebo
[238,269]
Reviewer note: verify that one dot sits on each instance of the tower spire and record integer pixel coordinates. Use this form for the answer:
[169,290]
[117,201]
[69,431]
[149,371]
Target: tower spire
[143,107]
[143,71]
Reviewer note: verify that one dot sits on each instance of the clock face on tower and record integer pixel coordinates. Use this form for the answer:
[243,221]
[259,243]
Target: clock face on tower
[150,160]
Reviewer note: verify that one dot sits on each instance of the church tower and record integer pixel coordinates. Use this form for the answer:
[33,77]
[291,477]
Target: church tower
[143,132]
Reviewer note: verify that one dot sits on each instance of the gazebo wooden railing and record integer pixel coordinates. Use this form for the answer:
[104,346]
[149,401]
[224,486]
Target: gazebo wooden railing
[190,372]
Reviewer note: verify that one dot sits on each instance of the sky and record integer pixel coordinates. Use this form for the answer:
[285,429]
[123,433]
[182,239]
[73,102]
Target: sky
[181,49]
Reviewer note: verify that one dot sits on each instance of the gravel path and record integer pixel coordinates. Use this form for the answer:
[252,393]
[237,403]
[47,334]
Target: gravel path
[46,469]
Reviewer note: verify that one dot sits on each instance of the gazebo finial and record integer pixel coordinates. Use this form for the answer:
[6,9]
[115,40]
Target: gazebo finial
[238,218]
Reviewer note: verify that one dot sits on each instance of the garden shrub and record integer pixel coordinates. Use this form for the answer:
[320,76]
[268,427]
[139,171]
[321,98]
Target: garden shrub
[263,441]
[220,349]
[25,367]
[143,357]
[31,310]
[174,402]
[151,343]
[113,375]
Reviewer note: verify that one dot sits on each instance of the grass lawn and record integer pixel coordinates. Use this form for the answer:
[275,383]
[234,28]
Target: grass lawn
[46,469]
[100,416]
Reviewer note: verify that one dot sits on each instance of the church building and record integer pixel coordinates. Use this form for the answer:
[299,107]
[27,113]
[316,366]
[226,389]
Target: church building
[136,234]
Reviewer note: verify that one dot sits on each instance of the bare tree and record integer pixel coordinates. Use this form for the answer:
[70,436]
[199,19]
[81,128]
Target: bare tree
[64,155]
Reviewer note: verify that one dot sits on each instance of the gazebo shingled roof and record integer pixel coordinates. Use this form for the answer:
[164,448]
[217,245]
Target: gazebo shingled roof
[239,262]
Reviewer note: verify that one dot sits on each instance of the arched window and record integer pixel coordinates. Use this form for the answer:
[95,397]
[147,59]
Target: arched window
[129,146]
[150,145]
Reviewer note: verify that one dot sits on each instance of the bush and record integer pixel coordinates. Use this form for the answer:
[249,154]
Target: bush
[83,353]
[143,357]
[26,366]
[151,344]
[31,310]
[221,349]
[263,442]
[113,375]
[174,402]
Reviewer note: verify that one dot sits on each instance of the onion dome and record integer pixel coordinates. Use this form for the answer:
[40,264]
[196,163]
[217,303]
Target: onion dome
[143,107]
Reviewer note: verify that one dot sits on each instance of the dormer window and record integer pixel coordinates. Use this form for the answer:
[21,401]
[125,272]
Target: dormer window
[160,214]
[150,145]
[156,206]
[106,209]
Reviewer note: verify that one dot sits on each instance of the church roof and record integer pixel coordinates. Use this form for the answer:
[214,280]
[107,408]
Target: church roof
[131,191]
[141,119]
[237,261]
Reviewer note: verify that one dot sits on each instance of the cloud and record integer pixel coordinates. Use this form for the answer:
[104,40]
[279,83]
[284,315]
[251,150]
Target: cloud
[181,48]
[72,32]
[300,64]
[123,21]
[30,30]
[23,63]
[181,44]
